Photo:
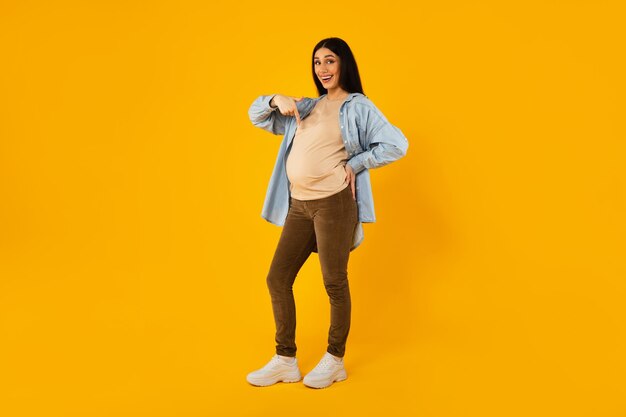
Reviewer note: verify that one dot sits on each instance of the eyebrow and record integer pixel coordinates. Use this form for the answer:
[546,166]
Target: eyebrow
[332,56]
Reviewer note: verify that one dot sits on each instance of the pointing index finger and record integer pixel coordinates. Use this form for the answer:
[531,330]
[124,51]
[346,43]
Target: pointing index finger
[297,116]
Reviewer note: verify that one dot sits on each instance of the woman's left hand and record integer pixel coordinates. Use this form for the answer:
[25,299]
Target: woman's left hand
[350,176]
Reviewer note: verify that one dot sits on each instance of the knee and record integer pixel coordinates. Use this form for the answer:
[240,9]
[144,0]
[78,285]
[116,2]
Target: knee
[337,288]
[272,282]
[277,283]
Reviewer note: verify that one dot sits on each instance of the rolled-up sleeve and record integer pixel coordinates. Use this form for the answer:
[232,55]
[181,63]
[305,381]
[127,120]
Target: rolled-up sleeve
[266,117]
[385,142]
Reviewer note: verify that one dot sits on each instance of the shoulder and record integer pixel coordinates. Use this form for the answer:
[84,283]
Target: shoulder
[359,99]
[365,107]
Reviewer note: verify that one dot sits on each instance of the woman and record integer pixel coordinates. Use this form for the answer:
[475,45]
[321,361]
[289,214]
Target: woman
[320,192]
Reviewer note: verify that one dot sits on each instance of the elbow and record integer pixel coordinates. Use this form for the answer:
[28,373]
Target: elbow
[400,148]
[399,152]
[404,148]
[258,120]
[255,122]
[400,144]
[253,115]
[256,112]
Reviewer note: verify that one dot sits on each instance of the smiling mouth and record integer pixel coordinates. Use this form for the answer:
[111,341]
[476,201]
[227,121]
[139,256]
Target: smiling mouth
[327,79]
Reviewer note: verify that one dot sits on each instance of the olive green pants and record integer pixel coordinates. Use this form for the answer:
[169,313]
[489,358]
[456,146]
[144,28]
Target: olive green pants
[327,226]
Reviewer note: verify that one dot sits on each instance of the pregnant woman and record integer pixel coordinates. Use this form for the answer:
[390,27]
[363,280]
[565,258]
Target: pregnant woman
[320,192]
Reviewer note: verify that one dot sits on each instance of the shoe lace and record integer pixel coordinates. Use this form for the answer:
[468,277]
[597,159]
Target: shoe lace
[275,359]
[325,364]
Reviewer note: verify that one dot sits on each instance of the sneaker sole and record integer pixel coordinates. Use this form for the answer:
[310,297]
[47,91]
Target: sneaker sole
[341,376]
[267,383]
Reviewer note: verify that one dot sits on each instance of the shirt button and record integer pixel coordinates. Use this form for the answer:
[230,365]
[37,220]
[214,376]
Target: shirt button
[342,126]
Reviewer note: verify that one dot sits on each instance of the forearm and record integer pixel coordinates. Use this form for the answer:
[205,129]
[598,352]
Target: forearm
[263,115]
[389,144]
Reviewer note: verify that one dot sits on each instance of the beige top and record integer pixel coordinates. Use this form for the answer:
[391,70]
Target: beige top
[315,164]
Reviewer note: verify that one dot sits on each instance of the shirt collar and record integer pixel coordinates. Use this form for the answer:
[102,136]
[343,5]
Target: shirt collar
[350,96]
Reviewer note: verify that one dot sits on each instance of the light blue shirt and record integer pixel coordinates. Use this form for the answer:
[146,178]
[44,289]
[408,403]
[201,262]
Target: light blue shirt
[370,140]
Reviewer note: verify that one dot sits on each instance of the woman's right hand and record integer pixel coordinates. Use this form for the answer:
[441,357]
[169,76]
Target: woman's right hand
[287,106]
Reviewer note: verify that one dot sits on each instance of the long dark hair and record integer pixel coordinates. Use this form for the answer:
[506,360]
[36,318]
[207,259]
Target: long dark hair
[349,78]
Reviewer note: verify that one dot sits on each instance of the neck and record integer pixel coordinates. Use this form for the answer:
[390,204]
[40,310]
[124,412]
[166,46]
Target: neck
[336,94]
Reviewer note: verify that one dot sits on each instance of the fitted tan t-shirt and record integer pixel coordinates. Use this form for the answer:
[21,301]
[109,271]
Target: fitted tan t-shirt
[315,165]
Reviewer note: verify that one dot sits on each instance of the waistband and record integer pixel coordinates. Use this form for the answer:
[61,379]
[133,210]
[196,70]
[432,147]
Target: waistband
[347,189]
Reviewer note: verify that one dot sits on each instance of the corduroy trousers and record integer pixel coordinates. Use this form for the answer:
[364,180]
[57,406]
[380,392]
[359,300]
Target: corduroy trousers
[327,226]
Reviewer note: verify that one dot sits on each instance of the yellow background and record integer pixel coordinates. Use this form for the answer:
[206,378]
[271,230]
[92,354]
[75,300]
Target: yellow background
[133,254]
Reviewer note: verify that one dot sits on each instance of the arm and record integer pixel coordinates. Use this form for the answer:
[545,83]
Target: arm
[263,115]
[385,142]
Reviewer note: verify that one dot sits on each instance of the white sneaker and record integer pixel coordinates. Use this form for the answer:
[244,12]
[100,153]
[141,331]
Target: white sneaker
[276,370]
[327,371]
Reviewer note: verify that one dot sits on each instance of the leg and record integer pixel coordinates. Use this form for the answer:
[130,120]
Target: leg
[334,221]
[294,247]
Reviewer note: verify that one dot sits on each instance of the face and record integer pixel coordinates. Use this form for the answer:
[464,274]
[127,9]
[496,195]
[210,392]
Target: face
[327,68]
